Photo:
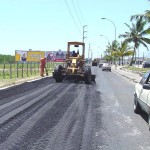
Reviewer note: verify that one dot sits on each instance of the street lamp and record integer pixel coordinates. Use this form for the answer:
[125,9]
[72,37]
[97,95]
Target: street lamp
[101,54]
[113,25]
[105,38]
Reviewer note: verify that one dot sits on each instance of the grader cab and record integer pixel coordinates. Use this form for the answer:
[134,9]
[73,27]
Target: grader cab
[75,66]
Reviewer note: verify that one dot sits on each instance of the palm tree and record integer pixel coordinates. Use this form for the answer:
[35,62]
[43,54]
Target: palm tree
[111,49]
[136,35]
[145,16]
[124,50]
[108,54]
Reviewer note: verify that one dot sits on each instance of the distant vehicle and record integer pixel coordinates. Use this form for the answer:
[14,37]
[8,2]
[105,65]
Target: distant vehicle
[146,64]
[106,66]
[100,65]
[94,62]
[142,96]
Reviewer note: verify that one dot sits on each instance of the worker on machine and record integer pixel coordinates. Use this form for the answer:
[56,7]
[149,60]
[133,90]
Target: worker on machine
[74,54]
[78,53]
[42,66]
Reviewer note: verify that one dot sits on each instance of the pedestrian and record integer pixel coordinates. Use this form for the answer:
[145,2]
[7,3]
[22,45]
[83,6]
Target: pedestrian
[42,66]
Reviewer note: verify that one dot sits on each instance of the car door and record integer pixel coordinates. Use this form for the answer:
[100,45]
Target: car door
[144,93]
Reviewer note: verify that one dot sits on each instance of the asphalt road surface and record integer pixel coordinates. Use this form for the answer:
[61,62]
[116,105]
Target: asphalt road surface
[44,115]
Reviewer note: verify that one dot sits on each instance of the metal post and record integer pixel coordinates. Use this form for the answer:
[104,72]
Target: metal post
[89,54]
[84,32]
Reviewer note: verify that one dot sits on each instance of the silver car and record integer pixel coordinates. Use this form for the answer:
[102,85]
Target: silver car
[106,66]
[142,96]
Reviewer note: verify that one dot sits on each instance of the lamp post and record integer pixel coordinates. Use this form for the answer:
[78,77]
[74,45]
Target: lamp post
[101,54]
[105,38]
[113,25]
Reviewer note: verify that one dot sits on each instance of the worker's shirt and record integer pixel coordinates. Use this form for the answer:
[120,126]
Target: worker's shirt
[43,62]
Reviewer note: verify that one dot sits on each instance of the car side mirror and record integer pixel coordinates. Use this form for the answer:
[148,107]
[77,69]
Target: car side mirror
[146,86]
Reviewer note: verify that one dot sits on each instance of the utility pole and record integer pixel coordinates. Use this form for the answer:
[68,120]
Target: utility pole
[89,54]
[84,32]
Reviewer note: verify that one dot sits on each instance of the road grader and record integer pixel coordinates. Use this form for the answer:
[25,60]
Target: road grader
[75,66]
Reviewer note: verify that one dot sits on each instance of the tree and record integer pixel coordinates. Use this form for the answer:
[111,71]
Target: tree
[145,16]
[124,50]
[6,58]
[137,35]
[111,49]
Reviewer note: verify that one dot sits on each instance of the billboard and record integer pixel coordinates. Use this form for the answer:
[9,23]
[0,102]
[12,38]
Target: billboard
[55,56]
[20,55]
[32,56]
[35,56]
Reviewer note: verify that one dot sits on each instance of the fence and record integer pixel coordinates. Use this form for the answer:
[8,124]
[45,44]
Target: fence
[13,70]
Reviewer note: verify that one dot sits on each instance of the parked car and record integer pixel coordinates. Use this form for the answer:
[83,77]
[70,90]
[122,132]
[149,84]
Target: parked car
[142,96]
[146,64]
[106,66]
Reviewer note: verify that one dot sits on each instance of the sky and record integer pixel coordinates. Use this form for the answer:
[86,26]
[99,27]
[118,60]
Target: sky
[48,25]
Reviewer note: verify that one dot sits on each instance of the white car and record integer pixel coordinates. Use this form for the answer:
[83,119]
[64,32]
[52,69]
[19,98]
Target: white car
[142,96]
[106,66]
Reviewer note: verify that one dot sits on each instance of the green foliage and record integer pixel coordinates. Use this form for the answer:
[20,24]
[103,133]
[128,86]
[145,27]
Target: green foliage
[136,35]
[6,58]
[133,68]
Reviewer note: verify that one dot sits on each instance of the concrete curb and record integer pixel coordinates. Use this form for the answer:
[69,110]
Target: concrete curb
[132,78]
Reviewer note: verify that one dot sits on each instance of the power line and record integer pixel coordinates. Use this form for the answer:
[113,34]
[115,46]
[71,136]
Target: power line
[76,12]
[80,11]
[73,17]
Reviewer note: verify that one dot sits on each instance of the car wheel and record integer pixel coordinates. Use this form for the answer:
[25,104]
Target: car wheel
[136,105]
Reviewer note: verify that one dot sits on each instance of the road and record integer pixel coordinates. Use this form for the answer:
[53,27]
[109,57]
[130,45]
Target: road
[44,115]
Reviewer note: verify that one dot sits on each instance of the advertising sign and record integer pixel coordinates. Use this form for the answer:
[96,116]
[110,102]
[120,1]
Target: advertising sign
[55,56]
[35,56]
[20,55]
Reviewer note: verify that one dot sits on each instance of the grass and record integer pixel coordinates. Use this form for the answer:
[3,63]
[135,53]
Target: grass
[24,70]
[136,69]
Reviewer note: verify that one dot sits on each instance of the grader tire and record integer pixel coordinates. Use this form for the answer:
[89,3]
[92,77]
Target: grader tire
[87,76]
[58,74]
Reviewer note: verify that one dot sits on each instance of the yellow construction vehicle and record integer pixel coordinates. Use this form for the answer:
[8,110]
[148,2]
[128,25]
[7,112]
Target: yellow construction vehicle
[75,67]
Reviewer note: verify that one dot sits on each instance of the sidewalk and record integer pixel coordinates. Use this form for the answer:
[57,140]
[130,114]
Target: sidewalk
[127,73]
